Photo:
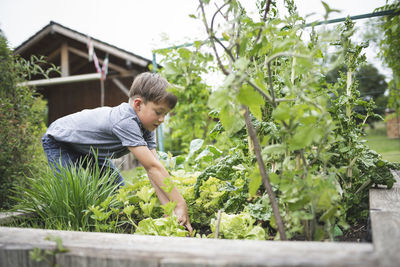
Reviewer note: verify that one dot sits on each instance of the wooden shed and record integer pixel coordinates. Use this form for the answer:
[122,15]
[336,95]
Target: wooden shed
[79,84]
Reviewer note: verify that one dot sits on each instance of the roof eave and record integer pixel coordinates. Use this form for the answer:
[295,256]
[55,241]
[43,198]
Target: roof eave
[55,27]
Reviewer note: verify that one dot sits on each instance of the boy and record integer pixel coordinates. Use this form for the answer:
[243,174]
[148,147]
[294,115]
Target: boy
[116,131]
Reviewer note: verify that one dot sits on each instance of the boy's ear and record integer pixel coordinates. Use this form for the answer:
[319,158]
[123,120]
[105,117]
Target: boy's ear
[137,103]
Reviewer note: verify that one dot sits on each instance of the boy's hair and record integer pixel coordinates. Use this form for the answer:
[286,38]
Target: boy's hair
[152,87]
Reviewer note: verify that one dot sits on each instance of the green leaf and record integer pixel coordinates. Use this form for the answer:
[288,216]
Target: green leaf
[232,119]
[256,111]
[256,233]
[214,150]
[282,112]
[250,97]
[184,53]
[328,214]
[168,185]
[303,137]
[238,226]
[205,155]
[255,181]
[277,148]
[194,146]
[241,63]
[225,36]
[128,210]
[145,193]
[209,153]
[163,226]
[147,208]
[337,231]
[169,208]
[171,69]
[274,178]
[218,99]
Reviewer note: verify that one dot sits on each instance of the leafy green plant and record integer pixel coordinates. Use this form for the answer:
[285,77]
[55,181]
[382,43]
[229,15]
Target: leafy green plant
[60,200]
[22,114]
[47,255]
[190,119]
[238,226]
[390,53]
[167,226]
[357,166]
[274,80]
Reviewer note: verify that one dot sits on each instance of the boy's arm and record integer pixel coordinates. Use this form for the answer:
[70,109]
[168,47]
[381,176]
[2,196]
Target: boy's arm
[157,173]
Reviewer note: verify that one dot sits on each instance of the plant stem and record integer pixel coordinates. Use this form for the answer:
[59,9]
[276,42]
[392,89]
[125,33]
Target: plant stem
[266,10]
[348,91]
[218,223]
[211,37]
[264,175]
[271,88]
[293,71]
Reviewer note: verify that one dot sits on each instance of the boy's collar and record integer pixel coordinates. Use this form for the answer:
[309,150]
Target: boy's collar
[138,119]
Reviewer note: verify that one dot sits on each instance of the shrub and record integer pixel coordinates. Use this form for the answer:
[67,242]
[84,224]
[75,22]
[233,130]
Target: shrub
[21,123]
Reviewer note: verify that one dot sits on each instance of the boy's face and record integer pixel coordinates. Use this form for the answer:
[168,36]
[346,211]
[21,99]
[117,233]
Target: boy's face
[151,114]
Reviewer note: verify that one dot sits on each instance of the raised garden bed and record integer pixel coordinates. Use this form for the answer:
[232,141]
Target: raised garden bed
[104,249]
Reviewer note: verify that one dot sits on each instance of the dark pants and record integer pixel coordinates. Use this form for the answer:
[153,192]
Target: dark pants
[59,153]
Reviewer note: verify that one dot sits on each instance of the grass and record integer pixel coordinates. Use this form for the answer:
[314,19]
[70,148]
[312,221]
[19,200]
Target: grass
[61,200]
[377,140]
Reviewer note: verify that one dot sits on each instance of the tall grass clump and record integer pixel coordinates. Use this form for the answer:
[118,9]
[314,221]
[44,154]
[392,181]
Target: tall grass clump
[61,200]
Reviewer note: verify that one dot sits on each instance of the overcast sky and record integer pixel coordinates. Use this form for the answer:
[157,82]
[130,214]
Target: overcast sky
[137,25]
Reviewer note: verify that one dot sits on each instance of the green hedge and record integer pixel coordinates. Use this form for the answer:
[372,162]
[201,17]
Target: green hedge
[22,115]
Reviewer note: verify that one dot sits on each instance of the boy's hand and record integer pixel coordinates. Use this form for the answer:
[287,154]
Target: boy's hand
[183,217]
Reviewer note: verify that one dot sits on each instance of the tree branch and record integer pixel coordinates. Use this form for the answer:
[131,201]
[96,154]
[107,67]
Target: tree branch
[285,54]
[264,175]
[266,10]
[259,90]
[210,34]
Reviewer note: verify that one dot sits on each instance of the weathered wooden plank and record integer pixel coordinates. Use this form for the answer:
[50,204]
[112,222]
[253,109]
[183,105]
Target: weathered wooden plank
[9,217]
[103,249]
[386,236]
[385,222]
[385,199]
[11,255]
[396,175]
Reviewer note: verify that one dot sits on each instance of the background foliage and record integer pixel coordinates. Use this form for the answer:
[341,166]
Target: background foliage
[22,114]
[390,53]
[190,118]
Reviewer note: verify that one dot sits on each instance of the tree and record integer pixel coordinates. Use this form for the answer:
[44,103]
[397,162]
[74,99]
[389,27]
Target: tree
[390,51]
[372,84]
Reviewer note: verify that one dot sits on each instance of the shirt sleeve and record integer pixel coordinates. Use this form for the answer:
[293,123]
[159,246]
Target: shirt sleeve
[129,132]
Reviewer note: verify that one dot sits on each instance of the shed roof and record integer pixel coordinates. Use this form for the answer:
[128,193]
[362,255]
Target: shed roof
[45,41]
